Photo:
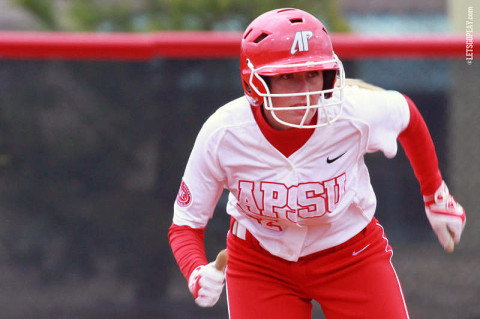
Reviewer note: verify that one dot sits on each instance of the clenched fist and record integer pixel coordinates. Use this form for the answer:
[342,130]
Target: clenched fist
[206,282]
[446,216]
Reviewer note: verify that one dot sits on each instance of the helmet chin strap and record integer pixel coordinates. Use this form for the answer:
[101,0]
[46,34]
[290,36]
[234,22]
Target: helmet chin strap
[329,112]
[309,108]
[307,111]
[325,112]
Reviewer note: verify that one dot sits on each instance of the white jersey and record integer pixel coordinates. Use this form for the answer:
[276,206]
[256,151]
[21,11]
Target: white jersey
[317,198]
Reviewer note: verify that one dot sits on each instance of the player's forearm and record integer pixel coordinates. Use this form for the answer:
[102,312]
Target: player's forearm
[420,150]
[188,248]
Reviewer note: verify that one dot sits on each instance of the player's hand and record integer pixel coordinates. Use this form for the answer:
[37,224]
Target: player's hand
[206,282]
[446,216]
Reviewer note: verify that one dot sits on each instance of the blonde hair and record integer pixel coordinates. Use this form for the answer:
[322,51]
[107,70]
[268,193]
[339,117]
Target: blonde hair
[362,84]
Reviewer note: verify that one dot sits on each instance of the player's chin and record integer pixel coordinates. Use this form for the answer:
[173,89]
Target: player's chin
[297,116]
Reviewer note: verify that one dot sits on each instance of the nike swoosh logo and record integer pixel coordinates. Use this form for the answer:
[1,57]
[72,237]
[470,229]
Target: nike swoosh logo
[330,161]
[355,253]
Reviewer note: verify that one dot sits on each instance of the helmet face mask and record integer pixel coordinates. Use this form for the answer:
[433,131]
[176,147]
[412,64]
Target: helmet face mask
[329,103]
[287,41]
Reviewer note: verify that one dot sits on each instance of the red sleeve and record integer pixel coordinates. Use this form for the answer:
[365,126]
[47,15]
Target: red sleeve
[188,248]
[419,148]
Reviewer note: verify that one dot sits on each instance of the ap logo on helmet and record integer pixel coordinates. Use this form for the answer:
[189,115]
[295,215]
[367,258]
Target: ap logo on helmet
[300,42]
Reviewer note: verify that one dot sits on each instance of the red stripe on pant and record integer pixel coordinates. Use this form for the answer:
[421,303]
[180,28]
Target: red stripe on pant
[353,280]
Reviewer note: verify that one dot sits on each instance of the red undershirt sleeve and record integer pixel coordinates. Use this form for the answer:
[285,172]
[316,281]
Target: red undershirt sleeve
[420,150]
[188,248]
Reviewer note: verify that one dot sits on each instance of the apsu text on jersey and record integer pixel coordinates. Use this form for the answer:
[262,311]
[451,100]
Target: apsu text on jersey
[274,201]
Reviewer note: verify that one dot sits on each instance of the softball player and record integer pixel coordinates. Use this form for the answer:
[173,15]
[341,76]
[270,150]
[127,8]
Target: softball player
[291,153]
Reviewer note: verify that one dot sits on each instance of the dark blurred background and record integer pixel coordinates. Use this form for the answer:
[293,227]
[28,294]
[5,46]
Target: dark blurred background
[92,153]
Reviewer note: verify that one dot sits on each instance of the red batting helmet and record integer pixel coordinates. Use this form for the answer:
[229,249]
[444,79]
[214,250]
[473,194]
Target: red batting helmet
[287,41]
